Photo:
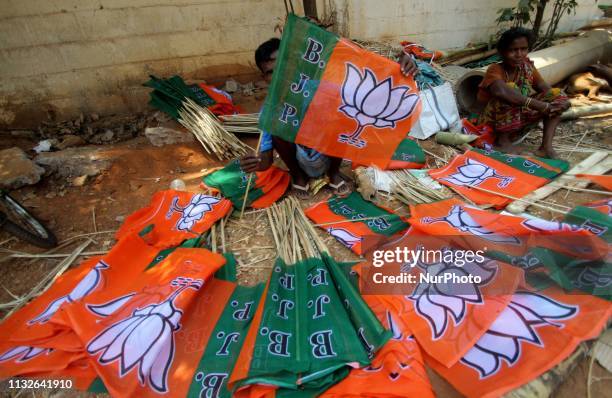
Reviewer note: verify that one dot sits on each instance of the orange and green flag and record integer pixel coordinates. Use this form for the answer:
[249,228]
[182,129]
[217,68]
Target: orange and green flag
[535,332]
[231,181]
[329,94]
[309,329]
[397,369]
[357,224]
[479,175]
[173,216]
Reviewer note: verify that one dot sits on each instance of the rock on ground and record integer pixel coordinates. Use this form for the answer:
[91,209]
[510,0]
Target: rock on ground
[70,140]
[17,170]
[160,136]
[72,162]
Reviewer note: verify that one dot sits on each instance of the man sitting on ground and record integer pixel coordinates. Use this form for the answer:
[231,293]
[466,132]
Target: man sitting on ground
[303,163]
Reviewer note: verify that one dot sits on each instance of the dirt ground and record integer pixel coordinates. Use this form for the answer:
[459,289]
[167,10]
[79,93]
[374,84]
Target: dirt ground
[140,169]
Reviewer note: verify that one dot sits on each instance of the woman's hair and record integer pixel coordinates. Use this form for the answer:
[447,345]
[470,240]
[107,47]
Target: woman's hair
[265,50]
[506,39]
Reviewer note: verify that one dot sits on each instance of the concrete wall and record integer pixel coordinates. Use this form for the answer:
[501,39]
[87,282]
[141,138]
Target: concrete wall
[62,57]
[439,24]
[65,56]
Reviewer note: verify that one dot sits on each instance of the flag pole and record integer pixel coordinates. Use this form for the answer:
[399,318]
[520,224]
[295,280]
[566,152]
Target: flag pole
[246,193]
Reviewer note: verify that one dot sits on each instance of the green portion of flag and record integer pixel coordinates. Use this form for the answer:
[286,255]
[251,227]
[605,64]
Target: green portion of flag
[409,151]
[228,272]
[592,220]
[592,276]
[213,371]
[168,94]
[314,325]
[293,66]
[97,387]
[526,166]
[231,181]
[379,220]
[371,332]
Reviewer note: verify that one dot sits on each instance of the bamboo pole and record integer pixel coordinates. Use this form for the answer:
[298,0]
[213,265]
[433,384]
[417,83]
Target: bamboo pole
[598,163]
[524,200]
[246,193]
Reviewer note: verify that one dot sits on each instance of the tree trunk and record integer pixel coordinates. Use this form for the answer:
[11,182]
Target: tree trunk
[537,22]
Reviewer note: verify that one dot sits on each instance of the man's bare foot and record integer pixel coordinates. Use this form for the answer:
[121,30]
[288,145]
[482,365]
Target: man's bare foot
[546,153]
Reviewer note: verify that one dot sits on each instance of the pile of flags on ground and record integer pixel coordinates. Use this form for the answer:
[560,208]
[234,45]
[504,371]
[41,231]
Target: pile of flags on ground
[169,94]
[492,178]
[161,314]
[231,182]
[356,223]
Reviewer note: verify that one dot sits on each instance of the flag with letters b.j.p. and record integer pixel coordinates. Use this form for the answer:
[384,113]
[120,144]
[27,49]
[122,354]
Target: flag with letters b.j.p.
[329,94]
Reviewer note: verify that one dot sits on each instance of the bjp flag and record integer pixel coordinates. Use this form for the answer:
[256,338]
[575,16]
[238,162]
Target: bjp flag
[536,331]
[479,175]
[173,216]
[329,94]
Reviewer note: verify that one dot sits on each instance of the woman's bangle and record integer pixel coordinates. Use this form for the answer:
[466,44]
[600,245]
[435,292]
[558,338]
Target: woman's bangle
[527,102]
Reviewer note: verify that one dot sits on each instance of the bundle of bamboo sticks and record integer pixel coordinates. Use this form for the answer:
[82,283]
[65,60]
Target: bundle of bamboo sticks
[241,123]
[210,132]
[409,189]
[294,236]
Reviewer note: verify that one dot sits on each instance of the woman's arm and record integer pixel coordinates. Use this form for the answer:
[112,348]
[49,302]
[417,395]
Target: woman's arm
[541,86]
[500,90]
[407,65]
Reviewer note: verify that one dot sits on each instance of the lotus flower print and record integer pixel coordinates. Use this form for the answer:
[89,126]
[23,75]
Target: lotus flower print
[437,302]
[474,173]
[146,339]
[110,307]
[193,212]
[372,103]
[23,353]
[345,237]
[87,285]
[516,324]
[459,219]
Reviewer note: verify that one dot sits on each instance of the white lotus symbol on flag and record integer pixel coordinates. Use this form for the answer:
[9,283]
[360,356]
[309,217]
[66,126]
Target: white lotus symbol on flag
[373,104]
[87,285]
[23,353]
[517,323]
[474,173]
[146,339]
[459,219]
[345,237]
[193,212]
[436,302]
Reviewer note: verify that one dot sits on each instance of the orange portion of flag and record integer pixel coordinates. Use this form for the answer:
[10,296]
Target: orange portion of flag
[149,337]
[175,216]
[473,169]
[605,180]
[362,109]
[533,334]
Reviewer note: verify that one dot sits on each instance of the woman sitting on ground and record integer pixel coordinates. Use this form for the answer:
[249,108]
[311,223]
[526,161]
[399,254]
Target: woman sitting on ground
[514,95]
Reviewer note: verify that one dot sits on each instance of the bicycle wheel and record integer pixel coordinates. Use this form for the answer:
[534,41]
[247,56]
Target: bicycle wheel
[19,222]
